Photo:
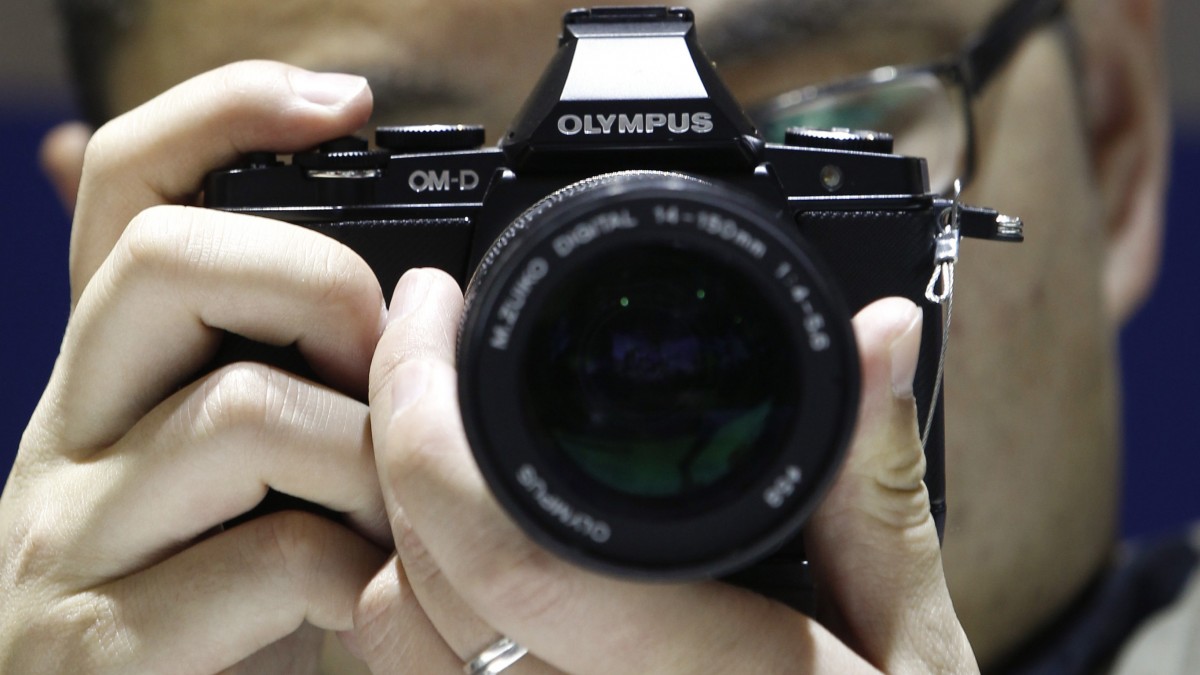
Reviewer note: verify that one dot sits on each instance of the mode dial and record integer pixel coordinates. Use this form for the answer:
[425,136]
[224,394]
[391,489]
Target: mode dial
[839,139]
[430,137]
[346,157]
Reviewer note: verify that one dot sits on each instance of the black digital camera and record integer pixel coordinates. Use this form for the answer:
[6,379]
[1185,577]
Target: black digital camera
[657,372]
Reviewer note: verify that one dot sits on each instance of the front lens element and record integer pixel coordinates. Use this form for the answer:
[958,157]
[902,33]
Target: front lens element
[655,376]
[657,372]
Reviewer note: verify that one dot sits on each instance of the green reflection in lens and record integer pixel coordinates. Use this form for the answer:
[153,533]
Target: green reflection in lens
[659,373]
[665,467]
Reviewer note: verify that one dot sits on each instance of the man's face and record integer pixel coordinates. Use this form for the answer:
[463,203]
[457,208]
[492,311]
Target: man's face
[1030,386]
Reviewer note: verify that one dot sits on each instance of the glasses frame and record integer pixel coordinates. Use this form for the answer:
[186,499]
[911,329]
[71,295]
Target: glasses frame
[970,70]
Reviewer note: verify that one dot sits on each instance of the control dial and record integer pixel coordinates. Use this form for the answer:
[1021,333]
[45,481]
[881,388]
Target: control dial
[430,138]
[346,157]
[839,139]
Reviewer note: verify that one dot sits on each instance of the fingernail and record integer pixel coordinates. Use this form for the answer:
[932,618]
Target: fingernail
[411,291]
[409,382]
[332,90]
[904,352]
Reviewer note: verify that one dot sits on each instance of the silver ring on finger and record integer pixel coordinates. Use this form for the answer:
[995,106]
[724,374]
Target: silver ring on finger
[495,658]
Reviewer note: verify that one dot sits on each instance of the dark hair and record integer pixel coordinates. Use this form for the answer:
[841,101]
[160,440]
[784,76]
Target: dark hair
[91,30]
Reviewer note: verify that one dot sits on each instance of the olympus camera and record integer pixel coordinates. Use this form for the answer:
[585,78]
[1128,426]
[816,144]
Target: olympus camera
[657,372]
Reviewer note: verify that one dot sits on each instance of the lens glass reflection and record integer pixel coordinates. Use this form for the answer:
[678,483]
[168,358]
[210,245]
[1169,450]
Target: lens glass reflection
[660,373]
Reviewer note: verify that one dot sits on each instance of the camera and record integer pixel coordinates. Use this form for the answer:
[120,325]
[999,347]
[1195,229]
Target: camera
[657,372]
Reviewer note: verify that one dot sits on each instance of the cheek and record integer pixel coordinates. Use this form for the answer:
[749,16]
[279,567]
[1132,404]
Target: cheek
[1031,315]
[1031,384]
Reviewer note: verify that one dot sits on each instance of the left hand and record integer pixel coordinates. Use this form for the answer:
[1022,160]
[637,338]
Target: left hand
[465,574]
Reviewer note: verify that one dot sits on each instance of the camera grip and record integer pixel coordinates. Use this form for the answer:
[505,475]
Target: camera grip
[879,254]
[392,246]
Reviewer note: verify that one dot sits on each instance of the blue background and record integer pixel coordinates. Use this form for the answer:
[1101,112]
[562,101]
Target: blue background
[1159,347]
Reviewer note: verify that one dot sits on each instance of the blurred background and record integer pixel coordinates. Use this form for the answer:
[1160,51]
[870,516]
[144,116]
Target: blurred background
[1160,349]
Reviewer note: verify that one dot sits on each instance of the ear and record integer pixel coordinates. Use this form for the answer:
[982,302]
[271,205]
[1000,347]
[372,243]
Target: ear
[62,159]
[1129,123]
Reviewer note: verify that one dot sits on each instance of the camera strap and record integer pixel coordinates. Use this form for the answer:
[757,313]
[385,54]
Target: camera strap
[941,288]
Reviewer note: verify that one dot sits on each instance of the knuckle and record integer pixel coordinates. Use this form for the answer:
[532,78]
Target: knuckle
[100,154]
[391,354]
[527,585]
[419,565]
[106,637]
[338,278]
[238,80]
[375,614]
[82,633]
[896,494]
[401,347]
[372,612]
[901,510]
[249,79]
[430,338]
[419,444]
[164,241]
[251,98]
[902,471]
[287,547]
[243,89]
[33,549]
[243,397]
[112,149]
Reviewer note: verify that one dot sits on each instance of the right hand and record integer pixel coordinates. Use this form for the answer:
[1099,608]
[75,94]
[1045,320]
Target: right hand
[112,555]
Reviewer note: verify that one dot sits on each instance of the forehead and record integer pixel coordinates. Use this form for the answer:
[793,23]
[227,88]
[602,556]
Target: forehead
[485,55]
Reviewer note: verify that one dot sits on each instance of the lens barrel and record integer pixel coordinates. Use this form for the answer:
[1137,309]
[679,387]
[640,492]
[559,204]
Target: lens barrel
[655,375]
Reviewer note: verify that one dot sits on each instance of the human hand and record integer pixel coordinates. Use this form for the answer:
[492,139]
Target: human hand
[112,555]
[465,574]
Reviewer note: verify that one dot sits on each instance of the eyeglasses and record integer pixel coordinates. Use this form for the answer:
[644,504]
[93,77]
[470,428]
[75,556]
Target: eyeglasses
[926,108]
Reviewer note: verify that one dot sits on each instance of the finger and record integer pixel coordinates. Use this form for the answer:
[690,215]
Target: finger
[223,599]
[207,455]
[152,316]
[425,308]
[575,620]
[457,624]
[160,152]
[423,319]
[391,632]
[873,539]
[62,159]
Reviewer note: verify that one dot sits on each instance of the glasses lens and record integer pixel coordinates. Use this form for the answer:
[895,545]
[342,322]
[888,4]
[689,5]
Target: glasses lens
[923,113]
[658,373]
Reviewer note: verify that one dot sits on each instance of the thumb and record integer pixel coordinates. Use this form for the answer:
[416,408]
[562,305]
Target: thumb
[62,159]
[873,542]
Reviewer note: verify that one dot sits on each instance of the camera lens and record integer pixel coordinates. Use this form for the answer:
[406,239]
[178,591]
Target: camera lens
[652,371]
[656,377]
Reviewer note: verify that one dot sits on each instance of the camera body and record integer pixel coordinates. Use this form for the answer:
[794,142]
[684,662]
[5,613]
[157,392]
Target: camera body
[658,376]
